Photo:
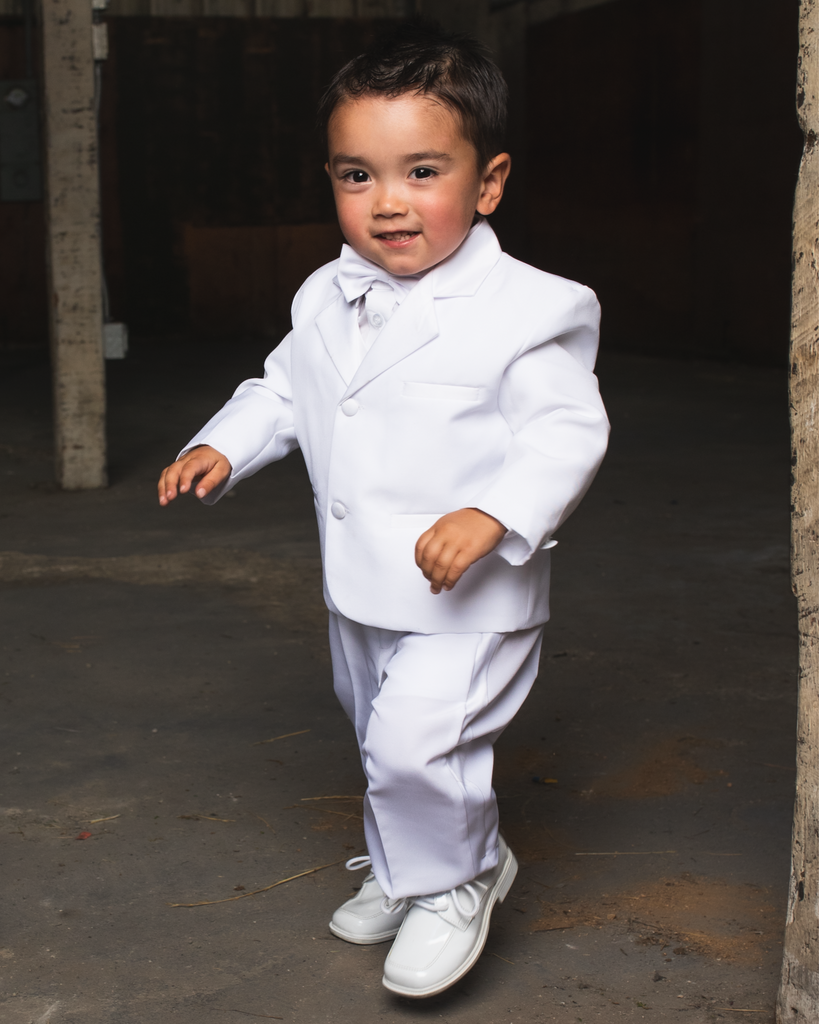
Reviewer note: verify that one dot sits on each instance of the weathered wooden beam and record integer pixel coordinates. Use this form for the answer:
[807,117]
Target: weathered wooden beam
[73,243]
[798,1001]
[536,10]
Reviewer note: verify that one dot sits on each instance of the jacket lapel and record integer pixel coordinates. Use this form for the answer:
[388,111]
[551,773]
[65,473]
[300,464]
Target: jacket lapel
[414,324]
[411,326]
[336,324]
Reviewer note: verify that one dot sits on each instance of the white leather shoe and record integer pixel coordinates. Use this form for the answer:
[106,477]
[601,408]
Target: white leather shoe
[370,916]
[443,935]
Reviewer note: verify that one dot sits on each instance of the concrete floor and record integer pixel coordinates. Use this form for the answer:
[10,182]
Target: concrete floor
[152,657]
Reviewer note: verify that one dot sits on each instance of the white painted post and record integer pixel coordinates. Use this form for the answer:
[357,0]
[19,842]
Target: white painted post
[73,243]
[798,1001]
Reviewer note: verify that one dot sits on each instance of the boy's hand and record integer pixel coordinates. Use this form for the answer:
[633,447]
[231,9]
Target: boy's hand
[447,549]
[203,466]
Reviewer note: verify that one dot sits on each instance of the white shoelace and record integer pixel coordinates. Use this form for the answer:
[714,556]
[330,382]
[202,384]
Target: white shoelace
[436,902]
[388,906]
[440,901]
[356,863]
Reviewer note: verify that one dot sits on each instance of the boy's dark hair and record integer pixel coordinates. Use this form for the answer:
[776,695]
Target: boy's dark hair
[420,57]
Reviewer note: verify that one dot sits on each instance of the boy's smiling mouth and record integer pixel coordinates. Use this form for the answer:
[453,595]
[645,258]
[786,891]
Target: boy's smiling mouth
[397,237]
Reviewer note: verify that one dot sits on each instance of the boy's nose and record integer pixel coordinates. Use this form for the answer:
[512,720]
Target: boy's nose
[388,202]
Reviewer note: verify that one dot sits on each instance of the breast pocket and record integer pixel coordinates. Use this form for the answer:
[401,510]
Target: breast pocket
[441,392]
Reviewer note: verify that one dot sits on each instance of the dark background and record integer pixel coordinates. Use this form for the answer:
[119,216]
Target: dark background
[660,154]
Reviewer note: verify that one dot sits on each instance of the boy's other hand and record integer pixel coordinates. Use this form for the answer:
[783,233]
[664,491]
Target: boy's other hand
[202,466]
[447,549]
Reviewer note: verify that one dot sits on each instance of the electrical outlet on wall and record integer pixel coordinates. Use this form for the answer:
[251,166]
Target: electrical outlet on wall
[115,338]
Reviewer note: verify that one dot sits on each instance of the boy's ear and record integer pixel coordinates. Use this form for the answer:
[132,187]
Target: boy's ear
[327,168]
[493,180]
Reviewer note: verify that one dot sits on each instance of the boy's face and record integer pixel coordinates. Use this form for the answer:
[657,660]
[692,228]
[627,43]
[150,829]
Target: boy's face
[405,181]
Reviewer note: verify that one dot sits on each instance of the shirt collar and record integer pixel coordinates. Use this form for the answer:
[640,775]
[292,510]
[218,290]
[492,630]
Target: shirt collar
[464,271]
[461,273]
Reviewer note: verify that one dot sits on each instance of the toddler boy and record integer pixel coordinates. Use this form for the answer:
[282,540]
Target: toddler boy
[443,396]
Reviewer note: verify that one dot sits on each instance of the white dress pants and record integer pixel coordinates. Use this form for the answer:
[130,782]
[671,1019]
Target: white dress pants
[427,709]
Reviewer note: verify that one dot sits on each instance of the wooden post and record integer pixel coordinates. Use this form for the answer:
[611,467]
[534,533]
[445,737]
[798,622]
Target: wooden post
[73,243]
[798,1001]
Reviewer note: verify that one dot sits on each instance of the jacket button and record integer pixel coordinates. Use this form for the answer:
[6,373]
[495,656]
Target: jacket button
[350,407]
[338,510]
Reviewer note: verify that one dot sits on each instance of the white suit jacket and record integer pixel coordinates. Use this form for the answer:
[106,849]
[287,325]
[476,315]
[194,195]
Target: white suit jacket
[478,392]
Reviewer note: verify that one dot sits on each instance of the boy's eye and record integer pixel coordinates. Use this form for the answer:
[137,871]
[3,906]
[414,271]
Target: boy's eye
[357,177]
[423,172]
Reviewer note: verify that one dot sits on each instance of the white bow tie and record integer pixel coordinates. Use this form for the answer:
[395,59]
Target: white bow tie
[356,275]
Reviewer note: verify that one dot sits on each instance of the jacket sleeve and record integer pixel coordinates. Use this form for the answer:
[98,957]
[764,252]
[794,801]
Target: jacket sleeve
[551,402]
[255,427]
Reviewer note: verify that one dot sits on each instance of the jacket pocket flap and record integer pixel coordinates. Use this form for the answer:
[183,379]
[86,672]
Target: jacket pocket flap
[445,392]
